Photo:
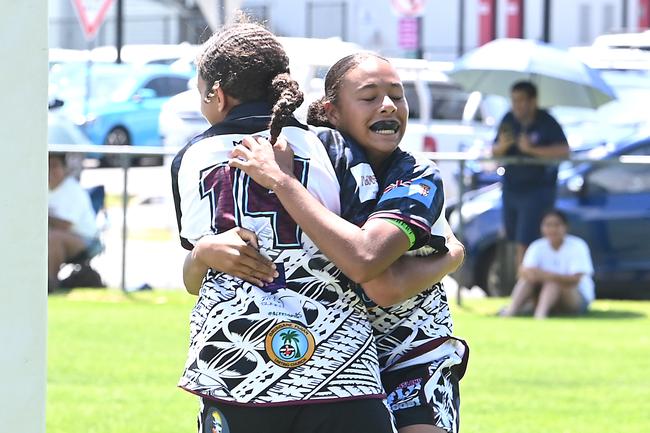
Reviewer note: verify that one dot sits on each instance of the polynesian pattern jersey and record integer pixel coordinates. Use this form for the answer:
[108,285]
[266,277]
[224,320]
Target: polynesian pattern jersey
[411,191]
[303,337]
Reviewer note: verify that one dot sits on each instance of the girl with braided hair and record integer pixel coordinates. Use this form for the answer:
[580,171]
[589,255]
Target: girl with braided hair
[294,351]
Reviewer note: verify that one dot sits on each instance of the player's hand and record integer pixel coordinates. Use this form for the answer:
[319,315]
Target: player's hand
[235,252]
[283,155]
[257,158]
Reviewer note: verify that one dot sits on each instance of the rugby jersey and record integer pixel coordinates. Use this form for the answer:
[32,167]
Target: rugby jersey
[305,337]
[420,329]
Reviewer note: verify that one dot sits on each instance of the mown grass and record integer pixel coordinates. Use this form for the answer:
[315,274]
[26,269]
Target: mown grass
[114,361]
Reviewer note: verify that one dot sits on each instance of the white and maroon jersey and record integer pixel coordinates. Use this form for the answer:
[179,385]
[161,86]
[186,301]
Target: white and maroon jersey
[303,338]
[420,329]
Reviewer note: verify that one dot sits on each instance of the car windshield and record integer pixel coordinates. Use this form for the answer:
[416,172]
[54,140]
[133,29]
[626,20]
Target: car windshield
[71,82]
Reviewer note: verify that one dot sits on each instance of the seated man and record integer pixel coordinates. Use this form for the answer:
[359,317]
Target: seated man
[72,226]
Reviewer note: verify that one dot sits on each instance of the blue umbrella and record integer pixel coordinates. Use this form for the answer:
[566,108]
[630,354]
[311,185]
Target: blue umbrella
[560,77]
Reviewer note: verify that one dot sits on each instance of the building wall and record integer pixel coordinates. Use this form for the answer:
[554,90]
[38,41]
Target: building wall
[373,24]
[146,22]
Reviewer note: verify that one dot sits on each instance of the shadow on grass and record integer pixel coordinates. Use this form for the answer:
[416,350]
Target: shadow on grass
[594,313]
[611,315]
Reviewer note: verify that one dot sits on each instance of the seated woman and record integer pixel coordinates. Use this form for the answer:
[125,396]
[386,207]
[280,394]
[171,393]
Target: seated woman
[555,275]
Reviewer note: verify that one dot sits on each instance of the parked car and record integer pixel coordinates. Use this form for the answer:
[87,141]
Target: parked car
[153,54]
[608,205]
[123,104]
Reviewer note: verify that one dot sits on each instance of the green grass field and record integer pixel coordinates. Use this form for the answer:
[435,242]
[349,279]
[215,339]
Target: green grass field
[113,363]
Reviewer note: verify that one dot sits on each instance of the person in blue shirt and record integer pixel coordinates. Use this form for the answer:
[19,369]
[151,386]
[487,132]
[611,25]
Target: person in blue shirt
[529,189]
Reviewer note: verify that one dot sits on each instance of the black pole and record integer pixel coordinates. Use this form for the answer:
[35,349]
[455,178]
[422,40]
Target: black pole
[222,12]
[624,15]
[461,28]
[420,49]
[522,19]
[495,6]
[119,18]
[547,21]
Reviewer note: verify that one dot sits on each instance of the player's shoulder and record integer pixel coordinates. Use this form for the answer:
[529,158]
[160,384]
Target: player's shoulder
[407,164]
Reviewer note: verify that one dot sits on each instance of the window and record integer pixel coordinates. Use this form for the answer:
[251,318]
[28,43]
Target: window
[411,95]
[621,178]
[167,86]
[447,102]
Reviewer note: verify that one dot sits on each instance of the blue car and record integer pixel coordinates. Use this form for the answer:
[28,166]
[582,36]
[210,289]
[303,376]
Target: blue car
[608,205]
[118,104]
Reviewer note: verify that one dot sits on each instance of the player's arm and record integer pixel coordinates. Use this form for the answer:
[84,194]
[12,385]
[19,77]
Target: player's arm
[361,253]
[234,252]
[409,275]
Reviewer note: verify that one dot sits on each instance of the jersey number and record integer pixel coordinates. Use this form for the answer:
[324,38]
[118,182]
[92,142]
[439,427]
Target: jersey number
[223,186]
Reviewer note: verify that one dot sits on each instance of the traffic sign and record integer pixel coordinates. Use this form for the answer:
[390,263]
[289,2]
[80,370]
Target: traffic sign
[91,14]
[407,31]
[409,8]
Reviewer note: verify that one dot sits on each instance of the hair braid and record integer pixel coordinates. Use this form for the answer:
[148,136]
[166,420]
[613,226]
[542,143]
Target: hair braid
[285,95]
[317,115]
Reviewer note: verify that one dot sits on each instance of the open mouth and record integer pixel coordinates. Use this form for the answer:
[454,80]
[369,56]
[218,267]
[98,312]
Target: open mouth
[385,127]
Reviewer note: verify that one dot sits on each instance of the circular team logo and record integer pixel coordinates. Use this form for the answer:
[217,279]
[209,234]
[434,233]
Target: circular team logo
[289,345]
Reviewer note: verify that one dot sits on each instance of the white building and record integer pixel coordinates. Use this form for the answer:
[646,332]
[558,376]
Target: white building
[374,24]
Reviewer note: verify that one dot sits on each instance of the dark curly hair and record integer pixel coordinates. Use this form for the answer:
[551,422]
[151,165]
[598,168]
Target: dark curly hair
[249,64]
[316,115]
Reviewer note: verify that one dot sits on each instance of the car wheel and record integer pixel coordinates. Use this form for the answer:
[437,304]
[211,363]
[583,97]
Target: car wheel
[497,270]
[116,137]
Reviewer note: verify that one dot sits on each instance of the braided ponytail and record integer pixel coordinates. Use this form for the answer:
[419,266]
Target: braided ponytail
[316,114]
[285,95]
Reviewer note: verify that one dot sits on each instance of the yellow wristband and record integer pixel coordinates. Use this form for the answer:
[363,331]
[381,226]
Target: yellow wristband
[408,231]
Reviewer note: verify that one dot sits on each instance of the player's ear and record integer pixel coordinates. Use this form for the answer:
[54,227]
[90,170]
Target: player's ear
[332,112]
[220,99]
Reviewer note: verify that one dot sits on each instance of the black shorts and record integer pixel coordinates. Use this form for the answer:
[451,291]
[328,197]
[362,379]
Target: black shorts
[349,416]
[424,394]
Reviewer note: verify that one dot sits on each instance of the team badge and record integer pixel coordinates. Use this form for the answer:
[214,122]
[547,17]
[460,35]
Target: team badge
[289,345]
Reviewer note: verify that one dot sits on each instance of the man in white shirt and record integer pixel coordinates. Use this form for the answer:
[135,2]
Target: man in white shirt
[555,273]
[72,225]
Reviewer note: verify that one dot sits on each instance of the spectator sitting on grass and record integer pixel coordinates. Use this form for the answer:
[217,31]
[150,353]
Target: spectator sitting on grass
[555,275]
[72,226]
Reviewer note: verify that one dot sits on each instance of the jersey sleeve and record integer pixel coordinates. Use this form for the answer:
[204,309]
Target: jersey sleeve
[203,195]
[413,193]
